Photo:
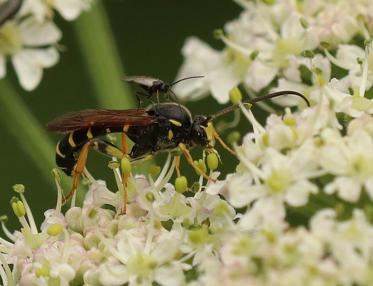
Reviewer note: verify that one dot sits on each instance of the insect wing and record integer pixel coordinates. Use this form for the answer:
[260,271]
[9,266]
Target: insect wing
[100,117]
[141,80]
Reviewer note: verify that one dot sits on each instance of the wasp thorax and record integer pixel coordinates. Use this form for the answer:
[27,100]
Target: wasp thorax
[198,134]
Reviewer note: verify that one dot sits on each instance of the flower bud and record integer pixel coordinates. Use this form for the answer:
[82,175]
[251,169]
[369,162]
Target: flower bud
[154,170]
[3,218]
[55,229]
[235,95]
[201,165]
[18,207]
[126,165]
[212,161]
[19,188]
[233,137]
[181,184]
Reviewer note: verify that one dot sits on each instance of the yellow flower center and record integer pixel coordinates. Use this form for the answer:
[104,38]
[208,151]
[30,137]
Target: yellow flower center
[279,180]
[10,39]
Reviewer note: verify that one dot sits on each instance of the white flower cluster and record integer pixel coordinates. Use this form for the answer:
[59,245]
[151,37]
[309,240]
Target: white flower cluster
[229,232]
[285,44]
[30,37]
[298,209]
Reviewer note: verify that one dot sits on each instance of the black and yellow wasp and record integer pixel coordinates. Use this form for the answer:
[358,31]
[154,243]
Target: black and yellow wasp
[159,127]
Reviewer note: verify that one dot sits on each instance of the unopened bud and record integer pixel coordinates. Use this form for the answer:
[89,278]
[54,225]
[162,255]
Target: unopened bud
[19,188]
[126,166]
[235,95]
[212,161]
[18,207]
[181,184]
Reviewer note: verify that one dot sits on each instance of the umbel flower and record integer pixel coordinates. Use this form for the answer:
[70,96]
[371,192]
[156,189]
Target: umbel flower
[296,210]
[29,39]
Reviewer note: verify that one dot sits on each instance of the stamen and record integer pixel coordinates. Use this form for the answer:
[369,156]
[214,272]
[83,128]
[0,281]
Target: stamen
[88,175]
[228,42]
[257,127]
[364,78]
[29,215]
[256,172]
[164,170]
[9,276]
[167,177]
[334,60]
[6,230]
[5,243]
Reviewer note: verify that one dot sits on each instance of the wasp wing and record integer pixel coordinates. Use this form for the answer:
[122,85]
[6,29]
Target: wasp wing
[100,118]
[141,80]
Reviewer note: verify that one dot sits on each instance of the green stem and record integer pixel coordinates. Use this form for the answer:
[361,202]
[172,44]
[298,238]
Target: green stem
[102,59]
[26,129]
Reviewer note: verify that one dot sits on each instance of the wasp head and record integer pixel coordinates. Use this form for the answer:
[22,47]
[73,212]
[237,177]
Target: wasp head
[198,134]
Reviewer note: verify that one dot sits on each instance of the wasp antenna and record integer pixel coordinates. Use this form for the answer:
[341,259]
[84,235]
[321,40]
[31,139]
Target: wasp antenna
[9,9]
[185,78]
[258,99]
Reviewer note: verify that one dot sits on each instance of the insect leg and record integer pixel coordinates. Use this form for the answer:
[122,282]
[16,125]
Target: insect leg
[106,148]
[78,170]
[190,161]
[125,176]
[222,143]
[177,165]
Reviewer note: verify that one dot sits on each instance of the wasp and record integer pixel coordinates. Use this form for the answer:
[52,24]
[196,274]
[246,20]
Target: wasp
[159,127]
[153,86]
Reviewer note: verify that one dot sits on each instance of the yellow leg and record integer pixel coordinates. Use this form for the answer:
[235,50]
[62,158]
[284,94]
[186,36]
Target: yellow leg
[124,176]
[222,143]
[78,170]
[190,161]
[177,165]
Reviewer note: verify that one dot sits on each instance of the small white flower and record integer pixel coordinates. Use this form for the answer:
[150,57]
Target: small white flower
[24,43]
[43,10]
[351,160]
[200,59]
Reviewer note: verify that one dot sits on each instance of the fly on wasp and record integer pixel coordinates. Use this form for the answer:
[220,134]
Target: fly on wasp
[159,127]
[153,86]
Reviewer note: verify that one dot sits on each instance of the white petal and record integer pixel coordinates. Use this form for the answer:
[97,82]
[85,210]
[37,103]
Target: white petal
[70,9]
[348,55]
[170,275]
[221,81]
[297,195]
[113,275]
[35,34]
[2,67]
[347,188]
[29,65]
[369,187]
[199,59]
[259,75]
[333,159]
[241,191]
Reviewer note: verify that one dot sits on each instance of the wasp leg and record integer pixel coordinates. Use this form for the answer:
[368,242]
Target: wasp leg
[190,161]
[222,143]
[124,175]
[106,148]
[177,165]
[78,170]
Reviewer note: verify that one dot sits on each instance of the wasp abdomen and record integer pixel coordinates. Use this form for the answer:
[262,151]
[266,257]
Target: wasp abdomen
[71,144]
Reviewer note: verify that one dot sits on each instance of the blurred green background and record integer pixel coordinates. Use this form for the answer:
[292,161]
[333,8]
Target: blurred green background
[148,36]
